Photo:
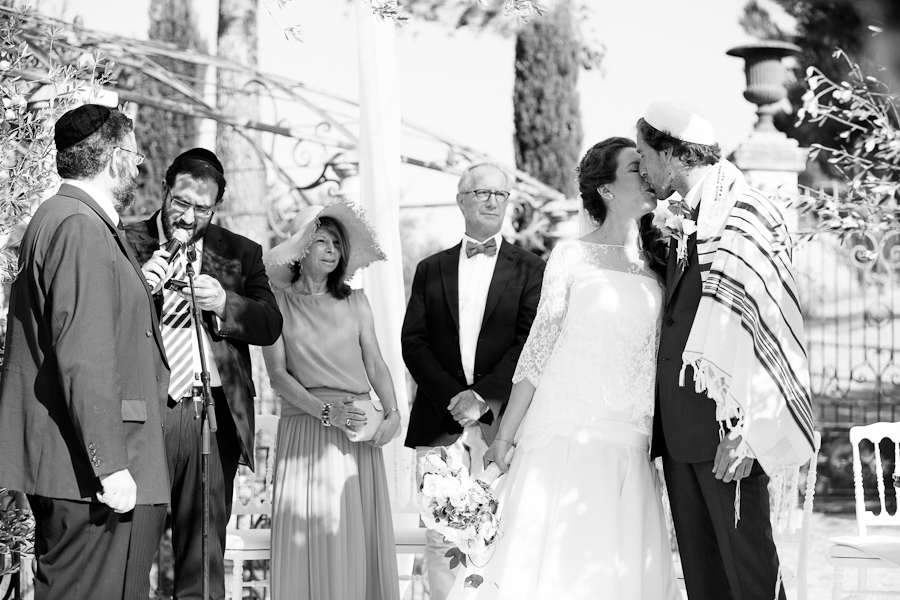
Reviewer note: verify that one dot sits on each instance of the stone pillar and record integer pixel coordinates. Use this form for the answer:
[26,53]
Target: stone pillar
[770,160]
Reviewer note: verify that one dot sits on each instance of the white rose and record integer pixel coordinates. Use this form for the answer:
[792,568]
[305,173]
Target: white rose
[459,499]
[430,484]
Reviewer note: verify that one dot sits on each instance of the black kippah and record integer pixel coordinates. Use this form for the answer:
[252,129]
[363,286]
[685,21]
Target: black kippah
[204,155]
[78,124]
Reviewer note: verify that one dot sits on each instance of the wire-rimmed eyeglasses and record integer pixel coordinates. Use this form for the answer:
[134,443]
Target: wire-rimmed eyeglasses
[139,158]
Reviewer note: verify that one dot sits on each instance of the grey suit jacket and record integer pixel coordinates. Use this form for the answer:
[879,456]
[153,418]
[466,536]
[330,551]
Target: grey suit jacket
[84,377]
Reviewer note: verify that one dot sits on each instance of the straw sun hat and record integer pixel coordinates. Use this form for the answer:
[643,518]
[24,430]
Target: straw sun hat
[364,248]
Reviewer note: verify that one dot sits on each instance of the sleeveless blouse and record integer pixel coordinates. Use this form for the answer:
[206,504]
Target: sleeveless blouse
[321,337]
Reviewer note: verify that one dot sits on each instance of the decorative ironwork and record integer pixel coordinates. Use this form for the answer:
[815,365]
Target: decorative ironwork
[850,293]
[308,154]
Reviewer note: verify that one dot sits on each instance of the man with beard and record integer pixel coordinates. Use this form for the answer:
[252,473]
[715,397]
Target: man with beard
[84,378]
[733,402]
[238,309]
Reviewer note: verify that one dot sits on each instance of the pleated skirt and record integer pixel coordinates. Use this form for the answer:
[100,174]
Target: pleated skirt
[332,535]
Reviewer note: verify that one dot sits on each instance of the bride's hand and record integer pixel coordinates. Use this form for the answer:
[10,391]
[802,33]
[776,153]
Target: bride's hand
[500,452]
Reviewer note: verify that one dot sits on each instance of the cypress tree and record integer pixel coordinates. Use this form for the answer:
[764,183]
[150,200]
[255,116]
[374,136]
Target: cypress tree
[545,99]
[162,135]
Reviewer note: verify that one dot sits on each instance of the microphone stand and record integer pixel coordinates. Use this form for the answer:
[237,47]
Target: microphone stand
[208,413]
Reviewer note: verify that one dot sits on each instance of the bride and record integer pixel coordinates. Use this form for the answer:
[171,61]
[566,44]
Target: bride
[581,515]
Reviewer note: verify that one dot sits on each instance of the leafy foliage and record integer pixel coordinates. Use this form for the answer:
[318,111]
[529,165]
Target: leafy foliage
[16,532]
[822,26]
[27,162]
[547,114]
[865,113]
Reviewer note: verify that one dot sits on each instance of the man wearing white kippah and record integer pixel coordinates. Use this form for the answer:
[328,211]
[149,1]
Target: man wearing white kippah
[732,402]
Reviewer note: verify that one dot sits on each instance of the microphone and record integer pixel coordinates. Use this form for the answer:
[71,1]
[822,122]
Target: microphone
[180,237]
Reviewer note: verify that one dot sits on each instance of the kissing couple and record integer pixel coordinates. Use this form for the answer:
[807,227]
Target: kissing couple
[683,342]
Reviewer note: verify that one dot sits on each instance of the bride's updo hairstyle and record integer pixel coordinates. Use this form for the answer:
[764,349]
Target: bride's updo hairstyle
[599,167]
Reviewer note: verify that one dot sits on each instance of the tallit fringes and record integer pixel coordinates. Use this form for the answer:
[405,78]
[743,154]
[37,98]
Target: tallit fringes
[681,375]
[737,503]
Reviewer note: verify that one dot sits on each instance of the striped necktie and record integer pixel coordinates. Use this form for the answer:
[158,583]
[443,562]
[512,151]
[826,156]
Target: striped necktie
[176,329]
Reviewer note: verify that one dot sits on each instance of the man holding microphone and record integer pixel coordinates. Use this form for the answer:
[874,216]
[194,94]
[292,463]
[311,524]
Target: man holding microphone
[238,309]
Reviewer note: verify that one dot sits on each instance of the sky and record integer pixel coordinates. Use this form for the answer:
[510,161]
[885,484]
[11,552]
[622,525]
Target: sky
[459,83]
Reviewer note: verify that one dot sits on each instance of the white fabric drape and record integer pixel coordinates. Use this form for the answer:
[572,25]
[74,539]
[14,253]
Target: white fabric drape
[379,195]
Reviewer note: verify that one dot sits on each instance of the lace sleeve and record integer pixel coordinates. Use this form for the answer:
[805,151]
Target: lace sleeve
[547,326]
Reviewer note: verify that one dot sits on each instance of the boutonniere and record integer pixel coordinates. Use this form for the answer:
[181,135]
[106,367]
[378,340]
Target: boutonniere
[675,223]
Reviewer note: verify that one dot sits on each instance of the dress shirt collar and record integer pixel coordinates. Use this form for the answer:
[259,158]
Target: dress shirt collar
[693,196]
[99,196]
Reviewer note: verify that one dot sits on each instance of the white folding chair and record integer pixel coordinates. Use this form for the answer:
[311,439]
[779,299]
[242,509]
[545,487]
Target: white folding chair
[252,499]
[792,578]
[409,537]
[799,536]
[842,556]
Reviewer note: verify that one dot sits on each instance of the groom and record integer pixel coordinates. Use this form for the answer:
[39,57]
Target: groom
[722,559]
[469,314]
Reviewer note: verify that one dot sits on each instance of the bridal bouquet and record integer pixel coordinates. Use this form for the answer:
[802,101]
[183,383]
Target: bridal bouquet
[460,508]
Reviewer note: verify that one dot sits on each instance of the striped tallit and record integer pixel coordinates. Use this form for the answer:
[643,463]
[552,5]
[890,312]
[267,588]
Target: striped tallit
[747,345]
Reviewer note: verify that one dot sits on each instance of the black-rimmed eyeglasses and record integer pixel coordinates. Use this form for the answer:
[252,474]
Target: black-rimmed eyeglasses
[484,195]
[138,157]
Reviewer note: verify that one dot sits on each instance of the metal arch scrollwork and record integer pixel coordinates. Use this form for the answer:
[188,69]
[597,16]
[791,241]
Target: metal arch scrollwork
[890,251]
[826,383]
[853,326]
[875,254]
[863,250]
[890,373]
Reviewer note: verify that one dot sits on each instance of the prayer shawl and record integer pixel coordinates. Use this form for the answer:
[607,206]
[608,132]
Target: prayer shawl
[747,345]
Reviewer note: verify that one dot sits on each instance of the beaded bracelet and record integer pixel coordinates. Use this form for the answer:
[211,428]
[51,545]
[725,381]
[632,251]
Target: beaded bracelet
[391,410]
[326,414]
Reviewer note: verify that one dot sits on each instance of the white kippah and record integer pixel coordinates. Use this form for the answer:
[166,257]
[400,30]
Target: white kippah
[680,122]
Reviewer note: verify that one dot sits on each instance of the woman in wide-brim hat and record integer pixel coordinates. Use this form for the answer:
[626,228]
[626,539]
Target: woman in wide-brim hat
[332,535]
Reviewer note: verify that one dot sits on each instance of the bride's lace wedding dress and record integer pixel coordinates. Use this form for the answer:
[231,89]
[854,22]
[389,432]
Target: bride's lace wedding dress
[581,514]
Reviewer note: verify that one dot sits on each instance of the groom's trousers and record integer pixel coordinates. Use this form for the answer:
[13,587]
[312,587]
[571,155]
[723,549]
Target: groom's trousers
[721,561]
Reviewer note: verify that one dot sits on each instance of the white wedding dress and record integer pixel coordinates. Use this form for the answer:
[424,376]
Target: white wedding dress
[580,509]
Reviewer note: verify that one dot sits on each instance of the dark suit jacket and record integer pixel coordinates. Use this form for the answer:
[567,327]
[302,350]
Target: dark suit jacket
[84,376]
[684,422]
[430,338]
[251,314]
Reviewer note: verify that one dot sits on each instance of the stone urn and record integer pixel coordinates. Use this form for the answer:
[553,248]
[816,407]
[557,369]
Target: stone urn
[765,76]
[768,157]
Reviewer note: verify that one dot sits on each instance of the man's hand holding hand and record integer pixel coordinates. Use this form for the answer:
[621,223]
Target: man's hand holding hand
[157,269]
[210,294]
[119,491]
[466,408]
[726,466]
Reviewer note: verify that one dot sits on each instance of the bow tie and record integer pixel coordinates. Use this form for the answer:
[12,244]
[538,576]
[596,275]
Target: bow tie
[489,248]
